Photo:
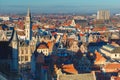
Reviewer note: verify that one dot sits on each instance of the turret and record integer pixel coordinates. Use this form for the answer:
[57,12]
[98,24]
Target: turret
[14,45]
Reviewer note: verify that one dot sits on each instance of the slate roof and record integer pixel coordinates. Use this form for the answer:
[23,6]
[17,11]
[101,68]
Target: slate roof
[80,21]
[114,49]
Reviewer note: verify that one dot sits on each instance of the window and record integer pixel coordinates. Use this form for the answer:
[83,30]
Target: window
[26,58]
[19,58]
[22,58]
[115,55]
[26,51]
[22,52]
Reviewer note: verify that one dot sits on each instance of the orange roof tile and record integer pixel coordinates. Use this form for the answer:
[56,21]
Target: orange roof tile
[115,78]
[81,34]
[1,28]
[99,58]
[51,26]
[69,68]
[64,36]
[34,27]
[77,26]
[49,44]
[112,67]
[54,33]
[43,46]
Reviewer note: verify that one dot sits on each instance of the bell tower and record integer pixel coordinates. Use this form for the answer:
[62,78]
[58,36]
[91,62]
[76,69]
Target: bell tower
[28,26]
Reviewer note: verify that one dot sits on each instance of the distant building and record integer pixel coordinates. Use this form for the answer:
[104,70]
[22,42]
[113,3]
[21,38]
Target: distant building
[85,76]
[103,15]
[73,23]
[25,53]
[43,47]
[5,18]
[111,51]
[81,22]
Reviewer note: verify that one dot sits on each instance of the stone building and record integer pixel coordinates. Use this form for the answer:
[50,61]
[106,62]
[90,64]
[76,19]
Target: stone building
[9,53]
[111,51]
[25,53]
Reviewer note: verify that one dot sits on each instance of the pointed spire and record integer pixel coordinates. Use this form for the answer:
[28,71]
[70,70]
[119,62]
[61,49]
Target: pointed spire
[28,12]
[14,36]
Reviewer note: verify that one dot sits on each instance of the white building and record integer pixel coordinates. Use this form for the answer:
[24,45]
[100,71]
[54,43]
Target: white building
[111,51]
[5,18]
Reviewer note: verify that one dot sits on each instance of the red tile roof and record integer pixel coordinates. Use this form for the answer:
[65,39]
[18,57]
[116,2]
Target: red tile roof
[99,58]
[34,27]
[1,28]
[115,78]
[54,33]
[49,44]
[112,67]
[43,46]
[69,68]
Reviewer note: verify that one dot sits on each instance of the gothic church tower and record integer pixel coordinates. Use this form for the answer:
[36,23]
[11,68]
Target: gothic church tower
[28,26]
[14,45]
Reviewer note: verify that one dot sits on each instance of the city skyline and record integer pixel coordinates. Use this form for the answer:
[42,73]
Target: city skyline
[78,41]
[61,6]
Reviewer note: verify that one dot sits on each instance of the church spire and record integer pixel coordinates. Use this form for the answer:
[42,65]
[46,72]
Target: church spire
[28,12]
[28,26]
[14,36]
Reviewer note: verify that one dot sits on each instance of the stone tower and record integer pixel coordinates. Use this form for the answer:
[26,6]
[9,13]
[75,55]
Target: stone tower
[14,45]
[28,26]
